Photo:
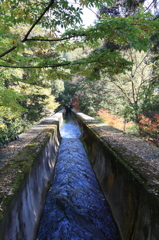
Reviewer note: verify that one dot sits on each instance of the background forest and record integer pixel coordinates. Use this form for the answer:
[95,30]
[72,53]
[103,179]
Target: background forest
[49,59]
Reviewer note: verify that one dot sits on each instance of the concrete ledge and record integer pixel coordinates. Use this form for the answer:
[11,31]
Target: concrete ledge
[127,170]
[25,181]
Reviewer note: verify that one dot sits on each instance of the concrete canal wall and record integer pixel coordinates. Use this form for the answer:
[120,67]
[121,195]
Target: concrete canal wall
[24,182]
[127,170]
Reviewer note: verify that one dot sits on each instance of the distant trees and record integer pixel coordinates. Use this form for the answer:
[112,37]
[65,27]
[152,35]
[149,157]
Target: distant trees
[37,39]
[64,92]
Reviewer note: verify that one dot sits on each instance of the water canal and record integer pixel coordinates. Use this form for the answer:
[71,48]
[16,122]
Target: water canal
[75,208]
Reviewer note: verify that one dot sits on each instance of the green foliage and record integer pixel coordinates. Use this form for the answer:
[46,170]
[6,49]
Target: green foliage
[8,128]
[9,98]
[133,130]
[40,42]
[7,136]
[34,105]
[64,92]
[57,87]
[134,30]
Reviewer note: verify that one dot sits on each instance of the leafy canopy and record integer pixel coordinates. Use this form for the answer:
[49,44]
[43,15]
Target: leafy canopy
[52,16]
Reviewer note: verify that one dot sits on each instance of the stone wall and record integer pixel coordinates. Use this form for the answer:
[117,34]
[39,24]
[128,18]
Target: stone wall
[25,180]
[127,170]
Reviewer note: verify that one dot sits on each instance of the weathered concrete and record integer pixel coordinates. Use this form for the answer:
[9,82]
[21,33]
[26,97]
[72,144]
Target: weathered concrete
[26,178]
[127,169]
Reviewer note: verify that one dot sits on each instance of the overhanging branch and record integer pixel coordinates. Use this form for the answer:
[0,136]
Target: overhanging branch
[47,66]
[39,18]
[50,66]
[55,39]
[31,28]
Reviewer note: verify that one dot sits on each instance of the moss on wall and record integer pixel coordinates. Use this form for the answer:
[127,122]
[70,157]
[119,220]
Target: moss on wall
[13,175]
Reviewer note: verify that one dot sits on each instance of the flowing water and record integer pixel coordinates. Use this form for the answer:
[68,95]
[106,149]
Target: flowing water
[75,208]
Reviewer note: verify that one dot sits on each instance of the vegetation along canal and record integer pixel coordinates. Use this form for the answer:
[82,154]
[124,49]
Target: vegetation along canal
[75,208]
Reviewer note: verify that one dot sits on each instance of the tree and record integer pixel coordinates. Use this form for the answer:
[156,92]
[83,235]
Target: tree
[64,92]
[114,29]
[136,85]
[33,43]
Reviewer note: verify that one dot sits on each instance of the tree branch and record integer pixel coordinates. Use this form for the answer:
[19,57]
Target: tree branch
[50,66]
[8,51]
[150,5]
[55,39]
[39,18]
[113,80]
[49,40]
[31,28]
[97,15]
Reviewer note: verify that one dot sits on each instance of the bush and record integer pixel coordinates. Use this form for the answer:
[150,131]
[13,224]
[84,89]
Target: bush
[7,136]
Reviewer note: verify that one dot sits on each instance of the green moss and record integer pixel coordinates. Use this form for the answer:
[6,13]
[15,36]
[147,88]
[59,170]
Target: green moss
[17,170]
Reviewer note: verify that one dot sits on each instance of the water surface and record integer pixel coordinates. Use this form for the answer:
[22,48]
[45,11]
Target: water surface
[75,208]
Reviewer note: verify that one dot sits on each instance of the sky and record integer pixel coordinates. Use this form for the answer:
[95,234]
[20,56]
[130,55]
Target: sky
[151,4]
[88,16]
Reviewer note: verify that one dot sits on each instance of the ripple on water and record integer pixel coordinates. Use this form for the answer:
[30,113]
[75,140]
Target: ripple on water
[75,208]
[70,130]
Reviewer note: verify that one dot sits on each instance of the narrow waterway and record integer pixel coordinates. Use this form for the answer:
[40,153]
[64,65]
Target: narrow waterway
[75,208]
